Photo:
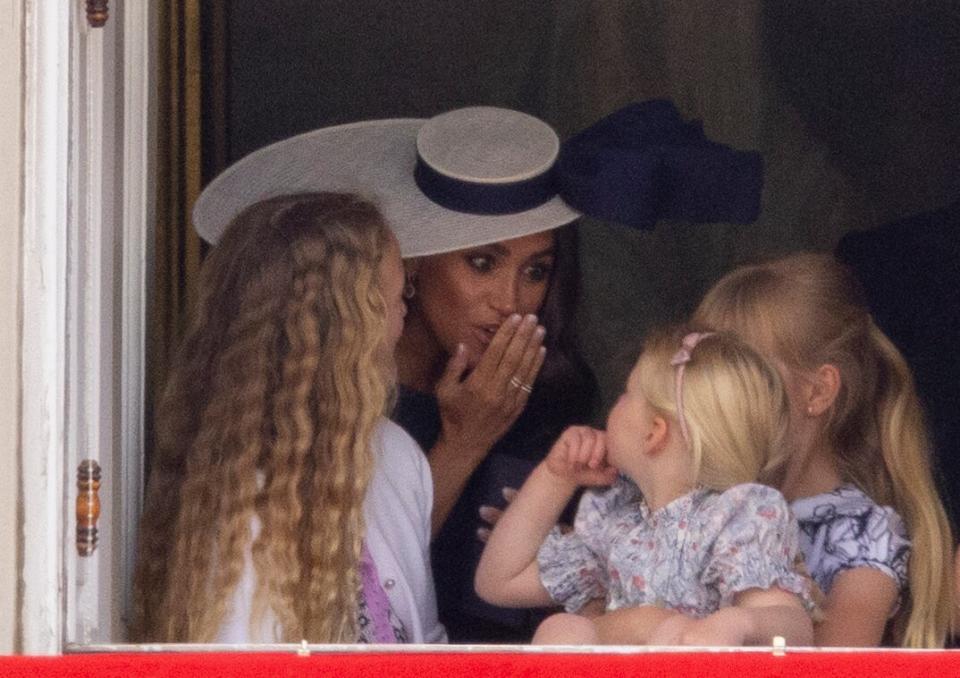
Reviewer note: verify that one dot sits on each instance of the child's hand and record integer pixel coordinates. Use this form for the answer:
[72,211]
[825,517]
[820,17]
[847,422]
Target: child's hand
[580,455]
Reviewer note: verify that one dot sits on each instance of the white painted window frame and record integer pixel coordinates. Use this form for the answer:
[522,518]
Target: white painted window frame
[62,328]
[46,145]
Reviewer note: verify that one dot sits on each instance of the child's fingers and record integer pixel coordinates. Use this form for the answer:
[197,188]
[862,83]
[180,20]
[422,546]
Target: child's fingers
[577,445]
[598,451]
[577,434]
[559,457]
[576,449]
[569,443]
[593,450]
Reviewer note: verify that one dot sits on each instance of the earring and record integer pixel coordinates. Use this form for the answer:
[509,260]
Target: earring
[409,291]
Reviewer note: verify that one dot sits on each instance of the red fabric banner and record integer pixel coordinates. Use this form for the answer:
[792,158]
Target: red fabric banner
[818,664]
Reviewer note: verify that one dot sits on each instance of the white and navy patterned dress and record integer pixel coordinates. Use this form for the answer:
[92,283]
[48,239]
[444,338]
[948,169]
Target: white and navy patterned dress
[692,555]
[844,529]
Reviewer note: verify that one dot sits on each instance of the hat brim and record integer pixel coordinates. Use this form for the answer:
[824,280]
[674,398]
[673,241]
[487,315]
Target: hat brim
[374,159]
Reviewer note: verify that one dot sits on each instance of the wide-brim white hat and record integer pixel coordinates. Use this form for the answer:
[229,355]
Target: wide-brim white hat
[496,152]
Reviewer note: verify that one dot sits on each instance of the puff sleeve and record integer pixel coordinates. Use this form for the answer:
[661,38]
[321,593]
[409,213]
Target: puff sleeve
[861,536]
[573,566]
[756,545]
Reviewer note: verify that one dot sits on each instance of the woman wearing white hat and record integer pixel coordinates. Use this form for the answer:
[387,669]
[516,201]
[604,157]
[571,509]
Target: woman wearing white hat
[488,364]
[486,275]
[473,197]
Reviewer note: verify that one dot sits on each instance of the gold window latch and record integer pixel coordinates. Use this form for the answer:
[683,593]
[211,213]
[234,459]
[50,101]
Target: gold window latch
[97,13]
[88,506]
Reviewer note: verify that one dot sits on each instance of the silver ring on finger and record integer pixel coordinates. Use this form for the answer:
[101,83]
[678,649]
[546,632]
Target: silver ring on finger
[516,383]
[527,388]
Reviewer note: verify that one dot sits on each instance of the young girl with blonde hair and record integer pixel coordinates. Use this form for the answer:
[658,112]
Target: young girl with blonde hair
[873,530]
[684,547]
[282,505]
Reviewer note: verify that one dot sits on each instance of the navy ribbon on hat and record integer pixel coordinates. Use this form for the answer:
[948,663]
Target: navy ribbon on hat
[643,163]
[479,198]
[636,166]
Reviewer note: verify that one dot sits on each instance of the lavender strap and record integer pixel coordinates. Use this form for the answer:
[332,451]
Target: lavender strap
[378,604]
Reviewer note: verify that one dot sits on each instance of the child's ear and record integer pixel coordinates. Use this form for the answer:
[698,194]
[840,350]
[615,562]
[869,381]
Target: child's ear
[823,389]
[656,438]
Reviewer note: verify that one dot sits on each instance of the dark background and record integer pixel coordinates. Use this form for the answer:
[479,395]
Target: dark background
[853,104]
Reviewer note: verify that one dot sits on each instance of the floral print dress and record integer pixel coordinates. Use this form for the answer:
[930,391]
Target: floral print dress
[693,555]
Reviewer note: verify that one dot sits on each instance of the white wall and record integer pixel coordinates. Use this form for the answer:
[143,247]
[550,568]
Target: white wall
[11,184]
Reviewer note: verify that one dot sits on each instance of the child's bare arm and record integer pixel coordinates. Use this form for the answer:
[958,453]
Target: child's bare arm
[774,612]
[631,625]
[856,610]
[756,617]
[508,573]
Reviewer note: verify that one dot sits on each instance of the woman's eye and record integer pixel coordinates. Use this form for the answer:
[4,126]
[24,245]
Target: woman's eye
[538,272]
[480,262]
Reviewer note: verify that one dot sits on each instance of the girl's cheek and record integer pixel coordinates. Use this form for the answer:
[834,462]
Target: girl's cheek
[614,415]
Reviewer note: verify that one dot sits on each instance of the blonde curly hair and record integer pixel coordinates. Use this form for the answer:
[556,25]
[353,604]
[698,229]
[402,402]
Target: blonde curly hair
[268,414]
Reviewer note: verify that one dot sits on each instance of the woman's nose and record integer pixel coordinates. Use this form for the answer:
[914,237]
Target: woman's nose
[504,297]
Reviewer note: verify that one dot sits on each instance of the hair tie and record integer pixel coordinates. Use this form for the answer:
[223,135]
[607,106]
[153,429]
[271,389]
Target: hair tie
[680,360]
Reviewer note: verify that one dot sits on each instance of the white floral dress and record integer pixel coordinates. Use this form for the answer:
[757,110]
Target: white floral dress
[693,555]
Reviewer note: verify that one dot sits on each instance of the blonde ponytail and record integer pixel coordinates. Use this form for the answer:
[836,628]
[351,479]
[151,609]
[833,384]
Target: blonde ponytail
[924,618]
[808,310]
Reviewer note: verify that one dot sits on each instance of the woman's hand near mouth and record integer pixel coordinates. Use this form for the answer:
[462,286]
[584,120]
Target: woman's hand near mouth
[477,409]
